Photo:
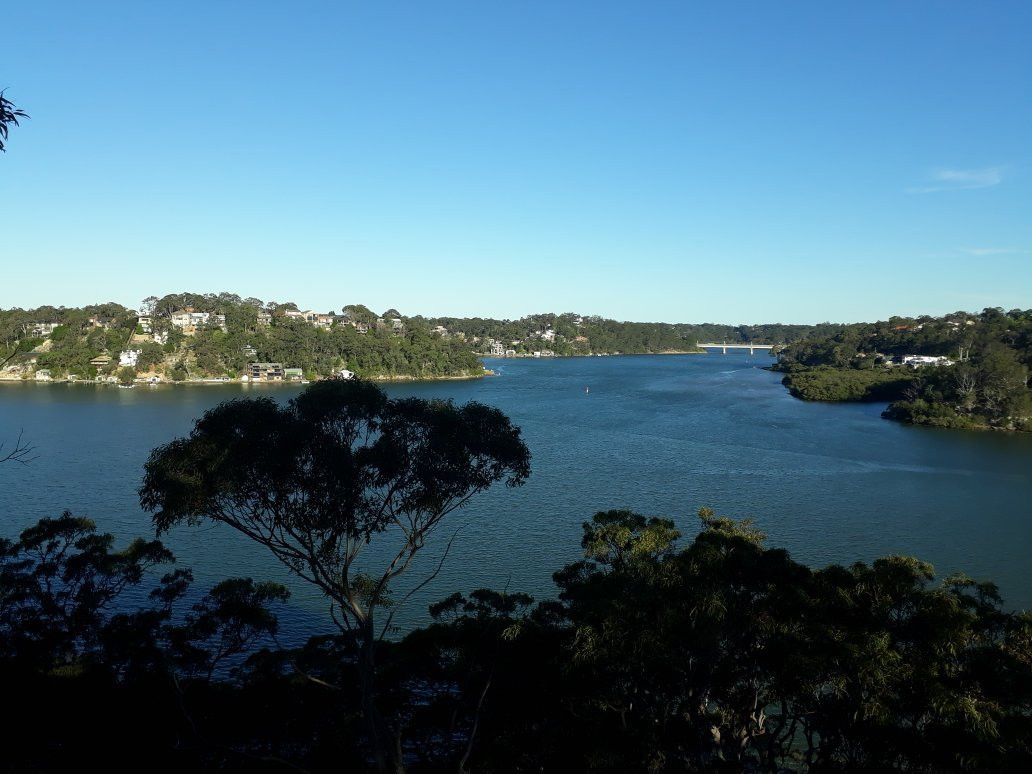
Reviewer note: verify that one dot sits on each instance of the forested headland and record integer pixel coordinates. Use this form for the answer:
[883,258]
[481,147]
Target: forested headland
[961,370]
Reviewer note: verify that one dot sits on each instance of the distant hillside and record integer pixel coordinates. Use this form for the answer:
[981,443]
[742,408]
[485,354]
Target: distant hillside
[572,334]
[190,336]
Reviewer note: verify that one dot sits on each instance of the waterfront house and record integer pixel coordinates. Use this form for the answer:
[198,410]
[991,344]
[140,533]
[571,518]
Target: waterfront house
[129,357]
[265,372]
[43,375]
[293,374]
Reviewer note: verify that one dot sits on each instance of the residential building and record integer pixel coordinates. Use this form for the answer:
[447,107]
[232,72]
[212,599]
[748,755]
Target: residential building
[323,320]
[40,330]
[129,357]
[265,372]
[187,317]
[916,361]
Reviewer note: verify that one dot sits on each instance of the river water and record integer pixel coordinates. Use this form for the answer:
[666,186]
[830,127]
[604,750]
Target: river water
[663,435]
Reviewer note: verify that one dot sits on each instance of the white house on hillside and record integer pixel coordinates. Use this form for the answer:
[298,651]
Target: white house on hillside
[187,317]
[916,361]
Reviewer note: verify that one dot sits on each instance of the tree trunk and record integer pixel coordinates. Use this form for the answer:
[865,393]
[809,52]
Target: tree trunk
[384,743]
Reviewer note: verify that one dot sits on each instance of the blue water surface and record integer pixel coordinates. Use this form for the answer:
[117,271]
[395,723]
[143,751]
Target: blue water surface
[663,435]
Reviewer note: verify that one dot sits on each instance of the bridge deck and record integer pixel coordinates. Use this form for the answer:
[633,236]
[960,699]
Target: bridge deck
[725,347]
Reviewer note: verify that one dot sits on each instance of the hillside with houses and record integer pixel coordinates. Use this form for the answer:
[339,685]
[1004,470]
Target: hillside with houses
[215,337]
[221,337]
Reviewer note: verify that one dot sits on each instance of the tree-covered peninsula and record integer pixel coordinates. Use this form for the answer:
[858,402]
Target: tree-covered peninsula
[961,370]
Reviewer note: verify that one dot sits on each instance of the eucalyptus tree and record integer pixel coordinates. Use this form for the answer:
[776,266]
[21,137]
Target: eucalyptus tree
[318,479]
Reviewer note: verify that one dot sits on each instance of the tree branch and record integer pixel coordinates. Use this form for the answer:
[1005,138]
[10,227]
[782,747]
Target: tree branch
[20,453]
[427,580]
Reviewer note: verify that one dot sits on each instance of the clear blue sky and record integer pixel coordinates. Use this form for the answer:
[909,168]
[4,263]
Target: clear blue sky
[735,162]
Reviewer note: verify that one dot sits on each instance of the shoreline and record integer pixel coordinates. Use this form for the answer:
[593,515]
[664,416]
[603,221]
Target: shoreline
[222,383]
[380,379]
[597,354]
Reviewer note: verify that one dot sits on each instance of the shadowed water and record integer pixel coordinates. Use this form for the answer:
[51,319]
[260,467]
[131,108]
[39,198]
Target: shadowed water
[663,435]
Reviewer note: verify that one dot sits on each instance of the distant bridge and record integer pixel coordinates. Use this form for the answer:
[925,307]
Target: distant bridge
[724,347]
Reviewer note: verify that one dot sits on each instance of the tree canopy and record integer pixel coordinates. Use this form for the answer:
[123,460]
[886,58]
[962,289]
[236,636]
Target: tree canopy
[716,655]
